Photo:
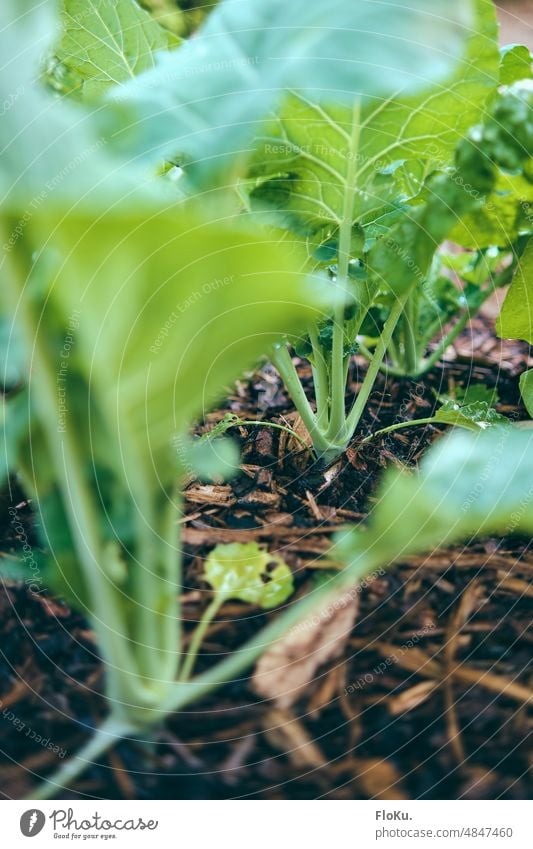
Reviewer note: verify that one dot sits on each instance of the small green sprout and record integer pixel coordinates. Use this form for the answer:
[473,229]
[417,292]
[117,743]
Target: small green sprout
[240,571]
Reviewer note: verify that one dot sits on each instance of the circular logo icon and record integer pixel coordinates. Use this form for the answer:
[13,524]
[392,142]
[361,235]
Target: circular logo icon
[32,822]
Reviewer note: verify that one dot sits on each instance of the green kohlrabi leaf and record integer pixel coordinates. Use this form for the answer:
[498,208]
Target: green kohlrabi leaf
[502,149]
[103,44]
[526,390]
[474,392]
[205,100]
[312,157]
[241,571]
[476,415]
[214,458]
[404,256]
[168,309]
[303,157]
[53,153]
[515,63]
[516,317]
[467,485]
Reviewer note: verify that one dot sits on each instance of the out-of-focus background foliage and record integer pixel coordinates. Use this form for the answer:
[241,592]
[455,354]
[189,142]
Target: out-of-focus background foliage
[516,17]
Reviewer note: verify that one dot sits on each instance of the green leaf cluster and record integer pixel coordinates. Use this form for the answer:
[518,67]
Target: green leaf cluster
[246,572]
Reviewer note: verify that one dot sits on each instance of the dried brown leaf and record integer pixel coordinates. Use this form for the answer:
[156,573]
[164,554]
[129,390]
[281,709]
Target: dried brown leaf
[379,779]
[290,664]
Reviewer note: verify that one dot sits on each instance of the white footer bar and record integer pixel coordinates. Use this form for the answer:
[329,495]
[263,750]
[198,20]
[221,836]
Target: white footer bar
[269,824]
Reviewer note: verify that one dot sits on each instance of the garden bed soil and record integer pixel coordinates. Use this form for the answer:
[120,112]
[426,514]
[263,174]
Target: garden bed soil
[431,695]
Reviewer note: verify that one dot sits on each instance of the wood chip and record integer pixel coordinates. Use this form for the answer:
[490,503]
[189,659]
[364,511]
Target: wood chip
[259,498]
[210,494]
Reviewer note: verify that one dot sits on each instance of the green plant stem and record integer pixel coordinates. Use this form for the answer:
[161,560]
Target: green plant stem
[157,587]
[393,352]
[235,421]
[208,615]
[384,367]
[428,362]
[146,590]
[110,625]
[170,623]
[410,346]
[184,692]
[400,425]
[338,383]
[359,405]
[320,380]
[104,738]
[285,366]
[239,660]
[450,337]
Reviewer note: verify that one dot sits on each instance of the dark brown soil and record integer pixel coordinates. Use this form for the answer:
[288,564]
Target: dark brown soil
[448,717]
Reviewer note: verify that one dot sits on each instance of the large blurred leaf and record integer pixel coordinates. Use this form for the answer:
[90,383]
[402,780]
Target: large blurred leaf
[467,485]
[206,298]
[104,43]
[205,100]
[11,355]
[52,151]
[169,309]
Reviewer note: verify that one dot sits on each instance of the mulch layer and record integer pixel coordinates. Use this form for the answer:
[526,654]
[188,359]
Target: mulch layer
[431,697]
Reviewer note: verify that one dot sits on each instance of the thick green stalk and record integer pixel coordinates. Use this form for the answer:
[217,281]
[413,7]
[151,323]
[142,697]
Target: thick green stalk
[357,410]
[285,366]
[320,380]
[109,733]
[410,344]
[146,591]
[170,620]
[393,352]
[338,382]
[125,688]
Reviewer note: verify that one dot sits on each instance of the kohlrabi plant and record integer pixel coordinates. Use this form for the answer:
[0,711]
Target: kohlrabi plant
[97,267]
[129,302]
[363,169]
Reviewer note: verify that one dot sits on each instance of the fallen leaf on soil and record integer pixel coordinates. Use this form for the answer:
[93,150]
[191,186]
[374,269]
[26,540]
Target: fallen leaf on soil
[379,779]
[290,664]
[288,735]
